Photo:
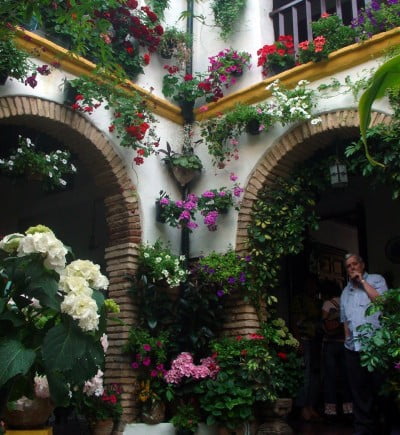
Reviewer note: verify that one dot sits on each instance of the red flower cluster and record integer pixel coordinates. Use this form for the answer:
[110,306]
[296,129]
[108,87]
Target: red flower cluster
[283,48]
[81,107]
[282,355]
[137,131]
[318,44]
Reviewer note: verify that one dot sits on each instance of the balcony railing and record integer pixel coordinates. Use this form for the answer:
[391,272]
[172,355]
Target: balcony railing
[294,17]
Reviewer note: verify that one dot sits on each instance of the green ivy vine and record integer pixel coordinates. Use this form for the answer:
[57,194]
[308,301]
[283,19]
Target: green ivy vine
[279,221]
[226,14]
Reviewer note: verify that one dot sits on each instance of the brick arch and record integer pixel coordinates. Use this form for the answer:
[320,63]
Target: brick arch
[292,148]
[121,204]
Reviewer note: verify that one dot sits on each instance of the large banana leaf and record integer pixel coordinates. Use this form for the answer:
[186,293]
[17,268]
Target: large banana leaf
[386,76]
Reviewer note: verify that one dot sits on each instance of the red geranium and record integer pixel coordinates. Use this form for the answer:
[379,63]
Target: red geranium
[282,355]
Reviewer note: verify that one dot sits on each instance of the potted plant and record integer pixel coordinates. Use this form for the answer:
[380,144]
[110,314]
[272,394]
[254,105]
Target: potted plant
[43,295]
[186,419]
[226,14]
[313,51]
[100,405]
[185,89]
[277,57]
[222,133]
[49,168]
[184,166]
[13,61]
[379,351]
[175,43]
[225,67]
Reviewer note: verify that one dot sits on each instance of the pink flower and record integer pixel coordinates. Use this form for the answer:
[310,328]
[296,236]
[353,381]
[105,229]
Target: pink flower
[237,191]
[203,109]
[135,365]
[233,177]
[147,347]
[164,201]
[146,361]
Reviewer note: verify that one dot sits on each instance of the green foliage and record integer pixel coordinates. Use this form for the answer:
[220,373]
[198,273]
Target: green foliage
[387,76]
[224,272]
[187,159]
[380,347]
[185,87]
[226,14]
[279,219]
[14,61]
[26,160]
[159,7]
[383,141]
[376,18]
[38,333]
[222,133]
[186,417]
[176,43]
[337,35]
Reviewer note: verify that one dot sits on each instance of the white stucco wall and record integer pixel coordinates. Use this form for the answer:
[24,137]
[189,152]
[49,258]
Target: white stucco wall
[152,176]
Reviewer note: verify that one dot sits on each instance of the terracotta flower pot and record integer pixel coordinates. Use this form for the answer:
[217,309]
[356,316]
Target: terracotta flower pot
[29,414]
[154,414]
[102,427]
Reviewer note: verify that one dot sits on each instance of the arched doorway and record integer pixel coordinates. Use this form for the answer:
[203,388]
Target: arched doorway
[103,192]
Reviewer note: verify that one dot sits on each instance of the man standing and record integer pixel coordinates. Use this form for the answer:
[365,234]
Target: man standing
[360,291]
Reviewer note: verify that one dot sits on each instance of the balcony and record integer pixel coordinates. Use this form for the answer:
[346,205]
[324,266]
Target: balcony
[294,17]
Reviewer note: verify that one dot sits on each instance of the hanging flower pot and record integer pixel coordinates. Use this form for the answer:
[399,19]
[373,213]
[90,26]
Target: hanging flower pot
[184,175]
[237,73]
[167,51]
[69,94]
[187,110]
[102,427]
[28,414]
[159,213]
[253,126]
[3,77]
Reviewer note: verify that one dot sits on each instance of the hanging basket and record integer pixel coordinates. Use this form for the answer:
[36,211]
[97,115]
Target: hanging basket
[159,215]
[187,110]
[29,414]
[253,127]
[3,77]
[69,94]
[184,175]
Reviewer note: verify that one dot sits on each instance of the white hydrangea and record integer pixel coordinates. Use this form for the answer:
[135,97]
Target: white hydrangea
[10,242]
[74,284]
[89,271]
[94,387]
[82,308]
[48,245]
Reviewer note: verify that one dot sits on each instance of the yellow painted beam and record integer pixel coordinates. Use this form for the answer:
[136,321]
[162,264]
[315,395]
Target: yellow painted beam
[45,431]
[49,52]
[340,60]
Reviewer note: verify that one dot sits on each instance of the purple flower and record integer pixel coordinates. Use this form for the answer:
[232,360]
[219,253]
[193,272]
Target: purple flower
[211,271]
[237,191]
[231,280]
[192,197]
[135,365]
[146,361]
[242,277]
[147,347]
[247,258]
[211,218]
[43,70]
[397,366]
[208,194]
[375,5]
[220,293]
[185,215]
[164,201]
[190,205]
[222,193]
[179,204]
[392,2]
[31,81]
[233,176]
[191,225]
